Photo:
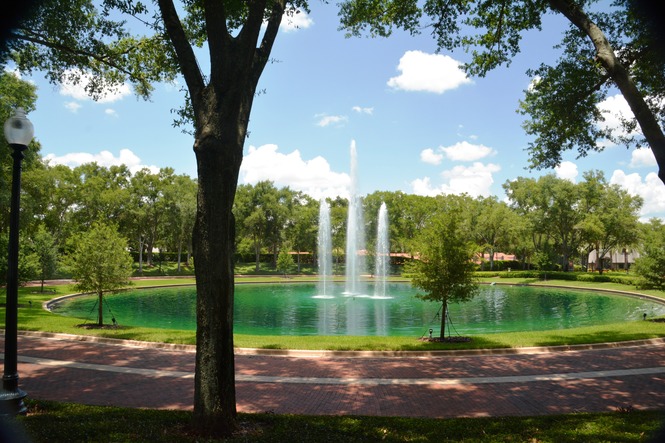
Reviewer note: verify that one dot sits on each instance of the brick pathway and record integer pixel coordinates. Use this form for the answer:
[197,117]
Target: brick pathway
[533,383]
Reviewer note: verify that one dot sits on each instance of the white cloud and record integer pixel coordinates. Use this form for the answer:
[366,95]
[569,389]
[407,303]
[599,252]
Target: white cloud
[111,112]
[474,180]
[642,157]
[429,156]
[327,120]
[14,71]
[651,190]
[567,171]
[77,90]
[73,106]
[361,110]
[428,72]
[460,152]
[298,20]
[423,186]
[313,177]
[466,152]
[103,158]
[614,109]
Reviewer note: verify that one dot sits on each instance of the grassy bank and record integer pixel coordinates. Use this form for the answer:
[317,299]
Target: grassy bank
[32,317]
[61,422]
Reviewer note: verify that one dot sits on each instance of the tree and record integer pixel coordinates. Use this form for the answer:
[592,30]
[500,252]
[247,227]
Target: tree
[444,266]
[102,195]
[148,208]
[82,44]
[239,37]
[101,263]
[609,217]
[494,226]
[284,260]
[602,50]
[529,201]
[415,212]
[264,211]
[302,227]
[650,267]
[180,199]
[47,253]
[339,210]
[563,214]
[28,262]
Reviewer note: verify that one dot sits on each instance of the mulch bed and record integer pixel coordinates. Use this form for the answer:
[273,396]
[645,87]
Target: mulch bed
[96,326]
[446,339]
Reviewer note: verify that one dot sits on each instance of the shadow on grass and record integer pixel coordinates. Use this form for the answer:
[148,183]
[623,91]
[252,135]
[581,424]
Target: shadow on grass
[600,336]
[359,343]
[63,422]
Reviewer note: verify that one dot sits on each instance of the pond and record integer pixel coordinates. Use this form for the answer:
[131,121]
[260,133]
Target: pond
[294,309]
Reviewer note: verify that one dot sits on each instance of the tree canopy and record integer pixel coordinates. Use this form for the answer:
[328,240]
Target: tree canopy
[606,48]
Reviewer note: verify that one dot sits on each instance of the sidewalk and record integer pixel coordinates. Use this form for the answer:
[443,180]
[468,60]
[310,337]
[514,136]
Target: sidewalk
[428,386]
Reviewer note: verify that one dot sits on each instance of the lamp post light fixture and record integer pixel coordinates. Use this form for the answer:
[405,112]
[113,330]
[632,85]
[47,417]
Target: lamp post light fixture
[18,133]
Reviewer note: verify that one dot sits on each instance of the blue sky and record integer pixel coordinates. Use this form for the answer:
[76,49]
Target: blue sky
[419,124]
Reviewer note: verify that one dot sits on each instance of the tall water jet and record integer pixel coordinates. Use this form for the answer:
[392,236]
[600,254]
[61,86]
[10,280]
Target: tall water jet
[355,238]
[325,250]
[382,253]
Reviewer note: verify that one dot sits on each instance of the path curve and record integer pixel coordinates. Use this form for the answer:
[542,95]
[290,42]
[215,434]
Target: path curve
[532,382]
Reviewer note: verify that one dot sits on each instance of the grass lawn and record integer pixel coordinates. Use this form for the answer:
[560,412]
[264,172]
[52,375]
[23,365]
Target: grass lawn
[63,422]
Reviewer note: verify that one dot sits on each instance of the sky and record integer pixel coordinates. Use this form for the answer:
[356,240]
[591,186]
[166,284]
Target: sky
[418,123]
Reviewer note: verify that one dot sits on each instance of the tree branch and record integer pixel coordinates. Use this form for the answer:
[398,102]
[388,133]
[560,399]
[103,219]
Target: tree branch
[187,60]
[621,77]
[269,37]
[74,51]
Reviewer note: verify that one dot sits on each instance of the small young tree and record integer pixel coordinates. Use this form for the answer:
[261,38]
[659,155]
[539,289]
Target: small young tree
[101,262]
[444,268]
[284,260]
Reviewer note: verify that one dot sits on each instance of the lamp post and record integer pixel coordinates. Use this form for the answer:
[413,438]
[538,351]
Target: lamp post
[18,133]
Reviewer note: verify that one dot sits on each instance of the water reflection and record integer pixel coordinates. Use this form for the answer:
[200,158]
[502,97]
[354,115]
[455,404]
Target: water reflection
[291,309]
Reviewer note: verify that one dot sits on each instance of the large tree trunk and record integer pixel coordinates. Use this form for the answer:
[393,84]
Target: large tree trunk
[648,122]
[214,239]
[221,104]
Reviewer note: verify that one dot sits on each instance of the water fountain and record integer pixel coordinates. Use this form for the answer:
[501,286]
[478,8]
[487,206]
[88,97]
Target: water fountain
[382,253]
[355,245]
[324,251]
[355,237]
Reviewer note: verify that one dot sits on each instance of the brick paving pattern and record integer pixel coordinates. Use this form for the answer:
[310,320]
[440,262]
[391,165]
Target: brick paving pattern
[526,384]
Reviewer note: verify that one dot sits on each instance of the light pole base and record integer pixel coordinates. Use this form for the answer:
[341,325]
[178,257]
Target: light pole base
[11,403]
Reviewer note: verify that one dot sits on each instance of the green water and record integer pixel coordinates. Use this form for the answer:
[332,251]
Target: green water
[293,309]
